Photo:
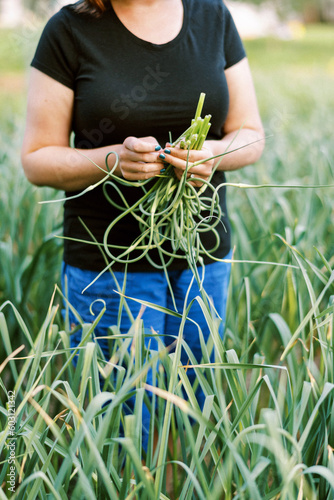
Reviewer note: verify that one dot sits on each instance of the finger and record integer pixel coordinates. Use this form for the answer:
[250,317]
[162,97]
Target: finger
[182,159]
[193,155]
[139,170]
[195,172]
[135,157]
[196,182]
[141,145]
[178,163]
[152,140]
[141,167]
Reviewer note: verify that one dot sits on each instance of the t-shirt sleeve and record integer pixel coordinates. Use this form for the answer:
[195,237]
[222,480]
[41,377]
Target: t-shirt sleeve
[233,46]
[56,54]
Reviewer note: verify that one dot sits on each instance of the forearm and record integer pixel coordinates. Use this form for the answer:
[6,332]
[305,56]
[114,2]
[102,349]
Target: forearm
[240,148]
[68,169]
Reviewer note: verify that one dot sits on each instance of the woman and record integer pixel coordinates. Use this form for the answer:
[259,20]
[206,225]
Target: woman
[120,75]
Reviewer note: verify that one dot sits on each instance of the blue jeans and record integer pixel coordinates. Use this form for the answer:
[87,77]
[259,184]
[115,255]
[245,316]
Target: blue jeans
[151,287]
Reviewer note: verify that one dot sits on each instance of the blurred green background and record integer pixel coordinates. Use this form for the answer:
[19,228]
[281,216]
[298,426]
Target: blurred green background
[287,221]
[294,78]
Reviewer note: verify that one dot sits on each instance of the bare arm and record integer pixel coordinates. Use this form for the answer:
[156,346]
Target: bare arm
[243,124]
[48,159]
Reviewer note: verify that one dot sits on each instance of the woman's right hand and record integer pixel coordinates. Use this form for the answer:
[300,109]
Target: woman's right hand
[139,158]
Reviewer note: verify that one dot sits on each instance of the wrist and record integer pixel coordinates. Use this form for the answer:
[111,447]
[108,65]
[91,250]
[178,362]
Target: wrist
[113,160]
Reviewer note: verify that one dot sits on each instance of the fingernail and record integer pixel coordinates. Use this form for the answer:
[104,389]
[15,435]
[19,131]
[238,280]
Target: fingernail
[162,156]
[162,170]
[157,148]
[167,151]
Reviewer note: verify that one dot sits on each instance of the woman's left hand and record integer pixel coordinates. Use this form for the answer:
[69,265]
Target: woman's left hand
[178,158]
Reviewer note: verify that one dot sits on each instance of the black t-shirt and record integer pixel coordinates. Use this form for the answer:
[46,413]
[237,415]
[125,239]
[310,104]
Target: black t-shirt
[127,86]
